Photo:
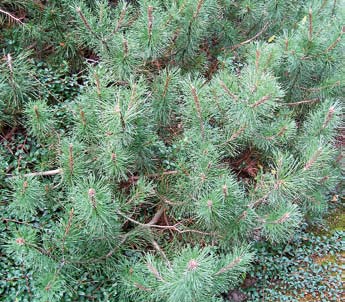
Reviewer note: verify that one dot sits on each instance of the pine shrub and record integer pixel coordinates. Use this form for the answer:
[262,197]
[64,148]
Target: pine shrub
[197,128]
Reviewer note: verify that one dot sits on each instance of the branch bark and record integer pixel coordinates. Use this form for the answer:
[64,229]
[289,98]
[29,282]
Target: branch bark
[11,16]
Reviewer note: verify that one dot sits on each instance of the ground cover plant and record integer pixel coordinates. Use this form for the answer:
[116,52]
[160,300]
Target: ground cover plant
[310,267]
[147,145]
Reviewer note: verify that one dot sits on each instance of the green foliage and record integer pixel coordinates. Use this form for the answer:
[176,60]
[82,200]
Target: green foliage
[16,84]
[308,267]
[163,138]
[40,120]
[27,197]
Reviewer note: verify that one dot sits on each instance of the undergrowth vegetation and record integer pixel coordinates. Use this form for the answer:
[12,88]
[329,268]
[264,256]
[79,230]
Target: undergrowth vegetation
[169,150]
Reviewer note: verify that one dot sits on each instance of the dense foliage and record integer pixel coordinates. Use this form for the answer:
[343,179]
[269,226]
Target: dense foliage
[160,139]
[308,268]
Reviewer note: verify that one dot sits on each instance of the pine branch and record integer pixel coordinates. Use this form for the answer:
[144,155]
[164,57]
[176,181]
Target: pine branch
[45,173]
[235,135]
[159,250]
[261,101]
[313,159]
[328,117]
[303,102]
[227,90]
[88,26]
[164,227]
[198,109]
[251,39]
[60,171]
[154,271]
[154,175]
[334,44]
[310,34]
[229,266]
[11,16]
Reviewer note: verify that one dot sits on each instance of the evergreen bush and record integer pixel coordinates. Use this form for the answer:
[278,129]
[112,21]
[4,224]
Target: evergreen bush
[198,128]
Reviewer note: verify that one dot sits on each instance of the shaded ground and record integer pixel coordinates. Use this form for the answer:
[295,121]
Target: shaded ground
[310,268]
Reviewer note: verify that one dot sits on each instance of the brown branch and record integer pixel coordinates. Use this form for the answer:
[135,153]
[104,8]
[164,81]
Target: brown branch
[334,44]
[200,3]
[157,216]
[164,227]
[166,85]
[261,101]
[303,102]
[337,83]
[88,26]
[11,16]
[251,39]
[122,16]
[16,221]
[154,271]
[159,249]
[282,219]
[280,133]
[235,135]
[149,20]
[310,36]
[198,109]
[328,117]
[155,175]
[68,228]
[260,200]
[229,266]
[313,159]
[125,47]
[45,173]
[227,90]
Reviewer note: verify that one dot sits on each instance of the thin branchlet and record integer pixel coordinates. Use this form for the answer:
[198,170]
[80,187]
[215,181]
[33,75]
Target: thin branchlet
[335,43]
[82,117]
[92,197]
[227,90]
[70,159]
[311,162]
[283,219]
[198,109]
[328,117]
[98,85]
[310,33]
[36,112]
[261,101]
[88,26]
[166,85]
[198,8]
[230,266]
[125,47]
[149,21]
[154,271]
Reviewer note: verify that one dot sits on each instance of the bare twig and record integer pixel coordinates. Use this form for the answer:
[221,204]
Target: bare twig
[198,109]
[154,175]
[227,90]
[16,221]
[229,266]
[235,135]
[154,271]
[261,101]
[44,173]
[303,102]
[159,249]
[310,24]
[165,227]
[11,16]
[313,159]
[251,39]
[157,216]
